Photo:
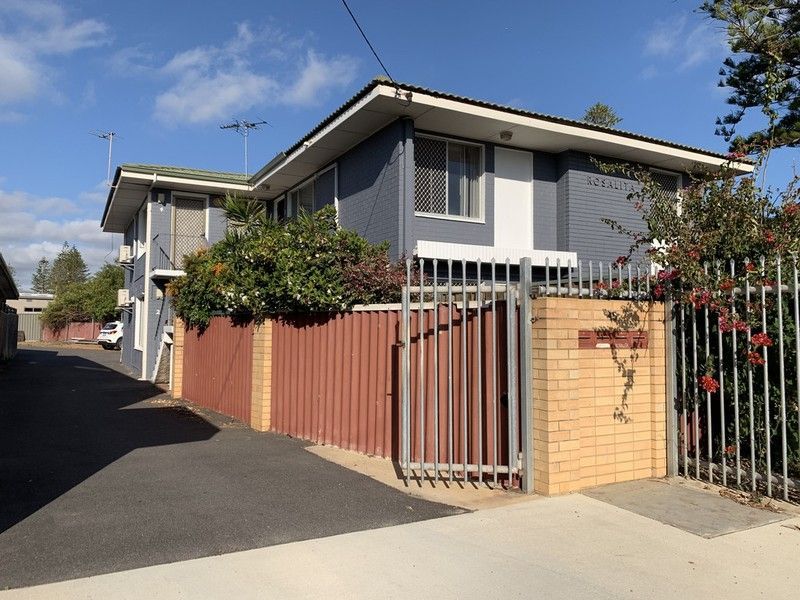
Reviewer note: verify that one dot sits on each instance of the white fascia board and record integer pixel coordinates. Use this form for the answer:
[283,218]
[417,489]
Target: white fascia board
[473,252]
[377,91]
[570,130]
[110,204]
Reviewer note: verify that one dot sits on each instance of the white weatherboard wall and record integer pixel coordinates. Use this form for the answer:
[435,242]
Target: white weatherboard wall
[513,198]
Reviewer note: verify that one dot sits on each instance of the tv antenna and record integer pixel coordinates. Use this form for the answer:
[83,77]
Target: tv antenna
[243,127]
[106,135]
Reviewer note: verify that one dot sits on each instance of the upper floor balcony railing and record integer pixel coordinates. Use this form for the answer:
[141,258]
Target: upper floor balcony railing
[168,250]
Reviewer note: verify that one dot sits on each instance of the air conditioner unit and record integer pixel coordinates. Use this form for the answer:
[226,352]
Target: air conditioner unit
[123,297]
[125,254]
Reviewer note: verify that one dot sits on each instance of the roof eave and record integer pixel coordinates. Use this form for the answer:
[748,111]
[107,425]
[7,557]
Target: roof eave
[7,284]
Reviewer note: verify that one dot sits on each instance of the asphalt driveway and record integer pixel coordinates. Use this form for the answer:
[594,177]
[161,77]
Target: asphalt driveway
[100,472]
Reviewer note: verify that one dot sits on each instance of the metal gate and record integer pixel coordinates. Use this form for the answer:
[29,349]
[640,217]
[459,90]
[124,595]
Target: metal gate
[466,331]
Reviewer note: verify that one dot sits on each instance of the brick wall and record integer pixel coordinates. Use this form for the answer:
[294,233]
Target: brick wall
[599,413]
[178,338]
[261,392]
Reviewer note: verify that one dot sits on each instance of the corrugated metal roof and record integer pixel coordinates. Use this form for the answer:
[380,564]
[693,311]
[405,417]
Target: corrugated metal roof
[172,171]
[492,105]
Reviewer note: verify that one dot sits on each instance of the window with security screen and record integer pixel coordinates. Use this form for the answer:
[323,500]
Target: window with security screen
[447,178]
[669,184]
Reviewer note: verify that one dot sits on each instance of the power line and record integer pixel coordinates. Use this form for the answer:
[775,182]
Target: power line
[243,127]
[364,35]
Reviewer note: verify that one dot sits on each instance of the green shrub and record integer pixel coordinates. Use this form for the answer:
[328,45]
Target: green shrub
[305,265]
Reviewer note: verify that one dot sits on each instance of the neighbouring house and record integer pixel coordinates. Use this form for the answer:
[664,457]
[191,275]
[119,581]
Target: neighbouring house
[434,174]
[164,213]
[8,315]
[31,302]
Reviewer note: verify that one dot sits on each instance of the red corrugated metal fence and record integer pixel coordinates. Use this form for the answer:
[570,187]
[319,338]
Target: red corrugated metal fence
[336,380]
[217,367]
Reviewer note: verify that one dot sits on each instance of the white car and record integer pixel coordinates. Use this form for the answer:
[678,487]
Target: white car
[111,336]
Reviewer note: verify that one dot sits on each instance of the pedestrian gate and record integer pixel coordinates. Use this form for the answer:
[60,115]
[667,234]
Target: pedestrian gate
[464,397]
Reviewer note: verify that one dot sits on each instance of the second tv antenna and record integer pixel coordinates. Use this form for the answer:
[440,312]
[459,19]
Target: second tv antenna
[106,135]
[243,127]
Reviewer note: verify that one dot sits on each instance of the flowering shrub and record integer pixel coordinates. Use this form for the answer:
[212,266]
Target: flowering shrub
[708,383]
[761,339]
[304,265]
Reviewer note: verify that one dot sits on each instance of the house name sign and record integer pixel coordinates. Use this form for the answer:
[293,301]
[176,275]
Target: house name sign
[611,183]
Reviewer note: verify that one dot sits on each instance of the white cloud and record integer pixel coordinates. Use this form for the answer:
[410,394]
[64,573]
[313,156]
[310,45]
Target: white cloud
[35,226]
[208,83]
[318,76]
[30,31]
[683,43]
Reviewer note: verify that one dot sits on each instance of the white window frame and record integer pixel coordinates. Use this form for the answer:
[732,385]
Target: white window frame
[296,189]
[481,183]
[138,334]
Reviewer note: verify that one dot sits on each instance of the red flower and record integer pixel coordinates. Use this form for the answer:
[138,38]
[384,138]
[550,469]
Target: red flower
[791,209]
[726,285]
[750,267]
[740,326]
[621,261]
[735,155]
[615,284]
[725,325]
[762,339]
[694,254]
[769,237]
[601,285]
[708,383]
[699,297]
[755,358]
[658,291]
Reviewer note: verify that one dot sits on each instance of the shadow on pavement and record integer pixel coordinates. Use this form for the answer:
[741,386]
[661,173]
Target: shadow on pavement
[63,418]
[99,473]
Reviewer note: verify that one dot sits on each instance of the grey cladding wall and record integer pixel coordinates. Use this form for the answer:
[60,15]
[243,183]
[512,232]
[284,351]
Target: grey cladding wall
[545,200]
[586,196]
[369,187]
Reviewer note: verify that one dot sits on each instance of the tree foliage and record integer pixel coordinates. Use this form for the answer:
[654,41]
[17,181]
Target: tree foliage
[305,265]
[764,72]
[68,269]
[601,114]
[40,280]
[93,299]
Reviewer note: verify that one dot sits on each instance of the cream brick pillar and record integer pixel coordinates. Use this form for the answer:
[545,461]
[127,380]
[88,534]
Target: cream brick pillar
[261,392]
[556,397]
[178,337]
[599,412]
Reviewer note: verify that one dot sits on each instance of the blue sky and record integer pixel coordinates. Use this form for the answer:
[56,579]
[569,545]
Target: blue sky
[165,75]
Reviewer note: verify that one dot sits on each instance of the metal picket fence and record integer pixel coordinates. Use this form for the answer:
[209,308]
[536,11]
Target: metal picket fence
[737,365]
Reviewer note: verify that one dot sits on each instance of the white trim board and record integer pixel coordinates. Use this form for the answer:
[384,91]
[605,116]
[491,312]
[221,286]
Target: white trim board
[472,252]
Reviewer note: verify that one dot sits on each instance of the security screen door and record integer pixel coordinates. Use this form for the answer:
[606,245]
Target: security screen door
[189,227]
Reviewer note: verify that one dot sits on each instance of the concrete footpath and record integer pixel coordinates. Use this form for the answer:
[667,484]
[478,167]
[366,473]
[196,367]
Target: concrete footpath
[568,547]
